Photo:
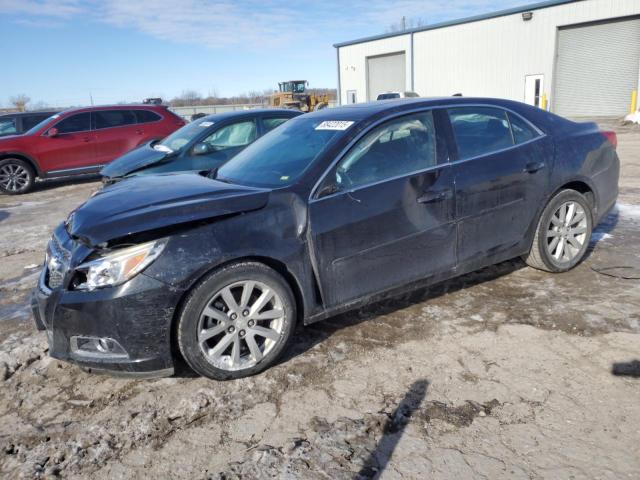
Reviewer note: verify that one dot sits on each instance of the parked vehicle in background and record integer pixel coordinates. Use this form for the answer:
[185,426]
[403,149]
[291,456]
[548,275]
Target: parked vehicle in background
[203,144]
[331,211]
[395,95]
[152,101]
[79,141]
[18,123]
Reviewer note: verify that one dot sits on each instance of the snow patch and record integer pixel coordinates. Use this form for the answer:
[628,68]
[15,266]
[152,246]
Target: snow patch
[628,210]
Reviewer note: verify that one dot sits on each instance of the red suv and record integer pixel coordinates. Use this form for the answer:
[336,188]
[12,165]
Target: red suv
[78,141]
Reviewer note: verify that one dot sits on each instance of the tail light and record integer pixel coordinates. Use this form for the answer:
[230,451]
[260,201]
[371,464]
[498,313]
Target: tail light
[611,137]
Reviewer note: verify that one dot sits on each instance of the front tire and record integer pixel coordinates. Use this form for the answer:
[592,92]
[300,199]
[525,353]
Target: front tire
[16,176]
[237,321]
[563,233]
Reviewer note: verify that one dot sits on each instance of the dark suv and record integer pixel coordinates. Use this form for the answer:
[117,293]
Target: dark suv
[79,141]
[18,123]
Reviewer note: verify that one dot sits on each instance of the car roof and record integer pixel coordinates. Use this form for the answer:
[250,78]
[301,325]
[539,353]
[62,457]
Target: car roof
[361,111]
[218,117]
[134,106]
[26,114]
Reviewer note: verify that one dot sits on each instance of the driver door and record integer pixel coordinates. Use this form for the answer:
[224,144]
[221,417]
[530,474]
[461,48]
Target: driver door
[383,216]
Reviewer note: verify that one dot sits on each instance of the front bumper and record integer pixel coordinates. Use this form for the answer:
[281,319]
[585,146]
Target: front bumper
[136,315]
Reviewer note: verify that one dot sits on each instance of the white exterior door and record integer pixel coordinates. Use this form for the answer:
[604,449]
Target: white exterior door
[533,88]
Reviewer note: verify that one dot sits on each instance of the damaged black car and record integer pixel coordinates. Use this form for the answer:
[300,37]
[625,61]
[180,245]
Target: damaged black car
[330,211]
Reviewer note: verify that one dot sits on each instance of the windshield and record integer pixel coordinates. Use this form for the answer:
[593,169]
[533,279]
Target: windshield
[281,156]
[38,126]
[178,139]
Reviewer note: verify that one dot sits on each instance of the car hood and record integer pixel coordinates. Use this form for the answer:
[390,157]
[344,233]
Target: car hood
[145,203]
[138,158]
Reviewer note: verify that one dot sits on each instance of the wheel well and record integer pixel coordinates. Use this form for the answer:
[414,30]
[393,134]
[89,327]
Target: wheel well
[4,156]
[585,190]
[272,263]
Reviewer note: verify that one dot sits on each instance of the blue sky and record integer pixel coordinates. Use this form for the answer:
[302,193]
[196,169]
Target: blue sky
[61,51]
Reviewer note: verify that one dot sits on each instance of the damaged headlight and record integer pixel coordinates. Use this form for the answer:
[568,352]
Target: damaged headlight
[116,267]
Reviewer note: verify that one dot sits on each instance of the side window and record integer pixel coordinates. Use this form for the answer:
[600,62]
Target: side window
[113,118]
[7,126]
[234,135]
[480,130]
[271,123]
[75,123]
[146,116]
[31,121]
[397,147]
[522,131]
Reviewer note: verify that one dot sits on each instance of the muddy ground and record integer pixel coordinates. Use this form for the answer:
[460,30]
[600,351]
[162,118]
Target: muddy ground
[503,373]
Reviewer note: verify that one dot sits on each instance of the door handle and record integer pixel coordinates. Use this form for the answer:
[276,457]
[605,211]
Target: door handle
[86,139]
[433,197]
[139,132]
[533,167]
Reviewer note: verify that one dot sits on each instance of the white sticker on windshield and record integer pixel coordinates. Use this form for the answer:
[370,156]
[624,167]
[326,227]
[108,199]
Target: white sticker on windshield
[334,125]
[206,124]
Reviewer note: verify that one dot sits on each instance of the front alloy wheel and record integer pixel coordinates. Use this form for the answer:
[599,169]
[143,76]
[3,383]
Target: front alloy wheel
[241,324]
[16,176]
[237,321]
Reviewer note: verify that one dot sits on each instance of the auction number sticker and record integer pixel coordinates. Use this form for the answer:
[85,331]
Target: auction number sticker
[334,125]
[206,124]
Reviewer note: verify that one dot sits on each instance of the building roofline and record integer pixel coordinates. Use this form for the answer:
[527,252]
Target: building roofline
[461,21]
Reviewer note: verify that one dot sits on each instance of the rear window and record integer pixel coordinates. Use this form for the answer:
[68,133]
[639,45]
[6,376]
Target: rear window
[480,130]
[271,123]
[522,131]
[146,116]
[388,96]
[7,126]
[113,118]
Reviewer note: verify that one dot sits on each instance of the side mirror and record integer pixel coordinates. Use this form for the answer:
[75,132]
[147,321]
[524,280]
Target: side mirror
[200,149]
[327,190]
[52,132]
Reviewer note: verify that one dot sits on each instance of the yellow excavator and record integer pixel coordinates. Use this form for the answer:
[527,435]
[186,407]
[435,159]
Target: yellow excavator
[292,94]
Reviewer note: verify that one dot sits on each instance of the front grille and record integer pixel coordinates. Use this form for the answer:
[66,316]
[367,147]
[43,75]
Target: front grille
[57,264]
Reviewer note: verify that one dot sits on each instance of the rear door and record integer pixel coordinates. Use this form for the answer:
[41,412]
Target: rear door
[383,215]
[72,149]
[501,176]
[116,133]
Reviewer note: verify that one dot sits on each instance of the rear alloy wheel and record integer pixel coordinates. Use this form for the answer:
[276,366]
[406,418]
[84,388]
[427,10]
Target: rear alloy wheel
[236,322]
[16,176]
[563,234]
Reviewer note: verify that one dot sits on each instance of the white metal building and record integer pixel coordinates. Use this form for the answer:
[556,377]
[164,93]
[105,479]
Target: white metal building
[574,57]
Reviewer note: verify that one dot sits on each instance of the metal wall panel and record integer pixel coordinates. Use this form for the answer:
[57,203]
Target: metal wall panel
[488,58]
[597,68]
[386,73]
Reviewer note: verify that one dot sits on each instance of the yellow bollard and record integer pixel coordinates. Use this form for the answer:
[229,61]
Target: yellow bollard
[634,101]
[543,101]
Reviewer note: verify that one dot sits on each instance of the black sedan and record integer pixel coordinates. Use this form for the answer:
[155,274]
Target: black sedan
[331,211]
[203,144]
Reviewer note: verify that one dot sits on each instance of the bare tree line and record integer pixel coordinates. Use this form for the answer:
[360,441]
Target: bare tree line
[187,98]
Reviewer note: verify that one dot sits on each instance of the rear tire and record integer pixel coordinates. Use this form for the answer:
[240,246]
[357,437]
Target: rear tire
[16,176]
[563,233]
[237,321]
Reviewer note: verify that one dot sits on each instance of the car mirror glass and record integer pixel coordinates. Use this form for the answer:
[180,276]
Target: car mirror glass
[201,149]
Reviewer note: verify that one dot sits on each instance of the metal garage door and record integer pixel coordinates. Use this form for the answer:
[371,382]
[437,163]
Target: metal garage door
[386,73]
[597,68]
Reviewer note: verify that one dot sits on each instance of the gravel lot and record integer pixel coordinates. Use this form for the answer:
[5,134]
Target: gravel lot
[503,373]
